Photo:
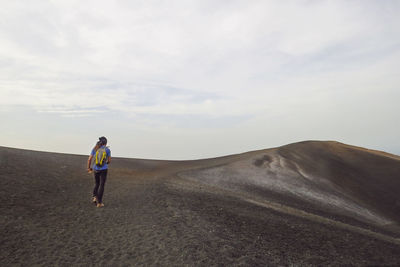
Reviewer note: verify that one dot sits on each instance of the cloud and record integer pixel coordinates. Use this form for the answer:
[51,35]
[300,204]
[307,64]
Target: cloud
[215,61]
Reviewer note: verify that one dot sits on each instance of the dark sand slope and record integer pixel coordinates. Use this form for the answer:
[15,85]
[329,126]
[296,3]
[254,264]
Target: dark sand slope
[321,203]
[323,176]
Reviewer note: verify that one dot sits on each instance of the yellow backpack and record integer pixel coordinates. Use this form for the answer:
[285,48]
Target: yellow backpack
[101,156]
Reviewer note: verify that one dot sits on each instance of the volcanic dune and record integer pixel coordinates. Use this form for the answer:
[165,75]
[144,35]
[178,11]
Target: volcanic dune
[308,203]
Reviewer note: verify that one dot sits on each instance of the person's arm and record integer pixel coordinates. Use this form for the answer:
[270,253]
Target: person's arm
[89,163]
[108,156]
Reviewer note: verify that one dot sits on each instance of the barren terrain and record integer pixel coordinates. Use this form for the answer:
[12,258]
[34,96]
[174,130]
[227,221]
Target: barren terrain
[308,203]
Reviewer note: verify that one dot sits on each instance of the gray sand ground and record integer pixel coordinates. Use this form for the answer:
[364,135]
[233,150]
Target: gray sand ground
[310,203]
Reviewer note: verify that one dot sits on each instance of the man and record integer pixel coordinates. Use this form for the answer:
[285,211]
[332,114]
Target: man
[102,156]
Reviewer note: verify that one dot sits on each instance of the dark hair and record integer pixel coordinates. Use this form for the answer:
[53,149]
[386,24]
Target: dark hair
[97,145]
[103,140]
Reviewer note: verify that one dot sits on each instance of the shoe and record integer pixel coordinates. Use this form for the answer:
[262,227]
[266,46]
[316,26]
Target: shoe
[94,199]
[99,205]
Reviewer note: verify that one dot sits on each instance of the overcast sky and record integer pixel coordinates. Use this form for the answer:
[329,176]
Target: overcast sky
[197,79]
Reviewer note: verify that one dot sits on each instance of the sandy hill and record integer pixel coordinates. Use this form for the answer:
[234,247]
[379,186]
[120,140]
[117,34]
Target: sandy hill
[322,203]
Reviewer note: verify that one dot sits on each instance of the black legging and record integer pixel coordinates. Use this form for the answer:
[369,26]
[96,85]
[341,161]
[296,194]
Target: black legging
[100,178]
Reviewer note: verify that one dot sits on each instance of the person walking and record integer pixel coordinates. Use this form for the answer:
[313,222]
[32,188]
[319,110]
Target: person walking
[102,157]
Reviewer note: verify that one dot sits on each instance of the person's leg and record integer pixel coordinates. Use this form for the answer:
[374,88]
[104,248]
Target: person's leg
[103,178]
[97,183]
